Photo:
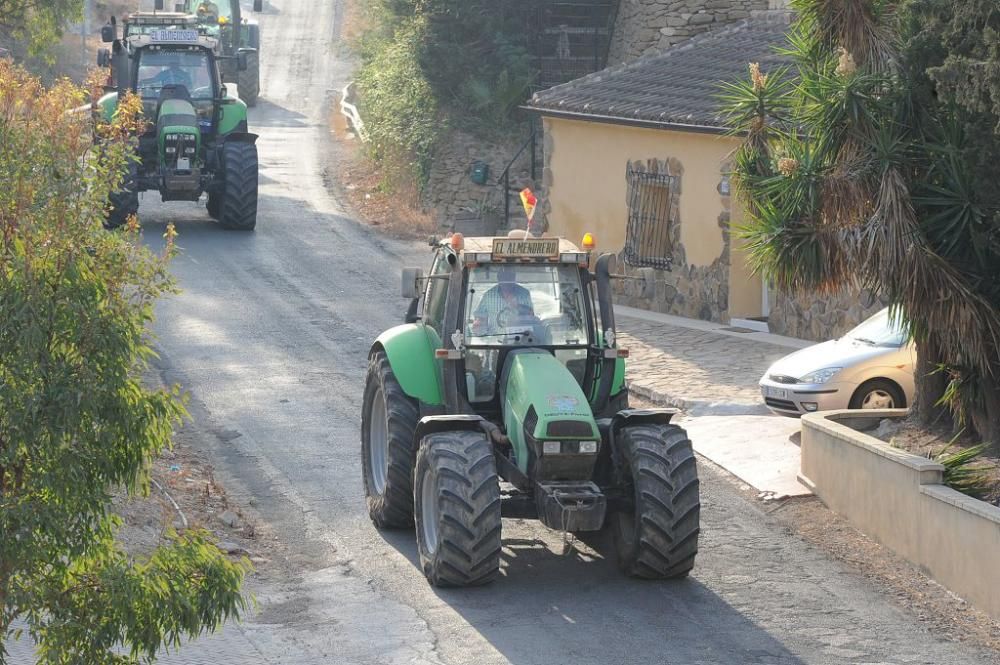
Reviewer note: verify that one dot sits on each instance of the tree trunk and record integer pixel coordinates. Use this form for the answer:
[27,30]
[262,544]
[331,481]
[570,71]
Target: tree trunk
[985,417]
[930,386]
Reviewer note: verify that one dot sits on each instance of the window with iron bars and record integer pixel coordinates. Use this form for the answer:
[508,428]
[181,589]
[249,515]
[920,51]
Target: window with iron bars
[649,236]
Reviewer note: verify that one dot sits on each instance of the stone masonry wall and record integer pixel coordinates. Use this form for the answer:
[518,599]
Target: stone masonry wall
[450,191]
[821,317]
[646,26]
[699,292]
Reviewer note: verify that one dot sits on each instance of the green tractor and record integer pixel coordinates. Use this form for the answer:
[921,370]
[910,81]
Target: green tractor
[503,395]
[236,33]
[196,139]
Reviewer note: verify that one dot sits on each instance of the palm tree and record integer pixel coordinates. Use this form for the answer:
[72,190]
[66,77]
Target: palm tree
[858,173]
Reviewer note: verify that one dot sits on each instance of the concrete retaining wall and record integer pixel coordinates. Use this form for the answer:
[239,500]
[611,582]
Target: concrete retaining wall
[897,498]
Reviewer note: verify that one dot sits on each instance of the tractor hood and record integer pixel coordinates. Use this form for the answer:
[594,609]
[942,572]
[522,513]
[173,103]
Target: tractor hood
[542,401]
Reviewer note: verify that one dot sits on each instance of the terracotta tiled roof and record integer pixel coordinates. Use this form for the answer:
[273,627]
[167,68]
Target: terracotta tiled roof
[676,87]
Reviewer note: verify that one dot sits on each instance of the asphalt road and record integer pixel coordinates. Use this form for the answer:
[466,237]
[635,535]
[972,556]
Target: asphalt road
[270,337]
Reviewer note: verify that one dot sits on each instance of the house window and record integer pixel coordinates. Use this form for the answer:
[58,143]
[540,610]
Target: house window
[651,230]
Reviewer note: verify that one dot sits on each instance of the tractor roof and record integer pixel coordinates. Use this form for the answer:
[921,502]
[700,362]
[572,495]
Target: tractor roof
[144,29]
[517,249]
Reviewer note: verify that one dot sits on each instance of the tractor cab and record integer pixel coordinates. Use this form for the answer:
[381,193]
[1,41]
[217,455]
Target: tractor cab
[507,374]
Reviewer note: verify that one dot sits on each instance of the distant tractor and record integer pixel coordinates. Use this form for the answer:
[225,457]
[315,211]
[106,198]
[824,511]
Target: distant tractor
[195,139]
[503,395]
[236,33]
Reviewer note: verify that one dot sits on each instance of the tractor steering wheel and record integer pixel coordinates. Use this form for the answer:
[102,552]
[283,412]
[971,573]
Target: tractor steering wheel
[513,316]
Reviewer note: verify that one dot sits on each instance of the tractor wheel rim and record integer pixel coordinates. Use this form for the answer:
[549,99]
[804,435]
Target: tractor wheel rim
[878,399]
[429,513]
[378,443]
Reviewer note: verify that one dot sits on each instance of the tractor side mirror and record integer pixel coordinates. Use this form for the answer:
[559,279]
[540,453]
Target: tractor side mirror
[411,282]
[108,34]
[158,5]
[241,61]
[258,5]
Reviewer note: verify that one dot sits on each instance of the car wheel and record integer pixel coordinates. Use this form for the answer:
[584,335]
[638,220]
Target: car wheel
[878,394]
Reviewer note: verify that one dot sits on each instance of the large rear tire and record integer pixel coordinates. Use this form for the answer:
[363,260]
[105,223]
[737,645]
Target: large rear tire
[457,501]
[658,539]
[125,202]
[238,206]
[248,81]
[388,419]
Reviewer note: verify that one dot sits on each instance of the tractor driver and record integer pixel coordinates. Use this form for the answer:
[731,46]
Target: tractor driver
[208,11]
[505,304]
[171,74]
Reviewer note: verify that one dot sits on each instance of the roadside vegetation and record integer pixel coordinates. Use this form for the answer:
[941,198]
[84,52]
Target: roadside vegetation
[76,422]
[872,163]
[431,66]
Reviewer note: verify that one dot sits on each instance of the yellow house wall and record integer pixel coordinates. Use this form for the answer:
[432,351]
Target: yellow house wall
[745,288]
[587,189]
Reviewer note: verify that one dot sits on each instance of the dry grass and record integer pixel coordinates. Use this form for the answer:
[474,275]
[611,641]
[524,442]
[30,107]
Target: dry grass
[396,211]
[929,442]
[941,611]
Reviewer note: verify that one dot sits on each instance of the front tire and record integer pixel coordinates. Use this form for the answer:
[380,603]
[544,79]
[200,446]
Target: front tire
[388,418]
[878,394]
[214,205]
[125,202]
[248,81]
[238,206]
[658,538]
[457,501]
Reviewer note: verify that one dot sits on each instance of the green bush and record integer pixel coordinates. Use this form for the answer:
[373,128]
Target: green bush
[431,64]
[399,107]
[76,422]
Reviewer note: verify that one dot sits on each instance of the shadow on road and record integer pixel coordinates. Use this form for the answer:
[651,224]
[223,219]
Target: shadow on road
[269,114]
[580,608]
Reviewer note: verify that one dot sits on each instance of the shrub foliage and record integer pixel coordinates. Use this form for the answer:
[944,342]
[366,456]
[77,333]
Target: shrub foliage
[76,423]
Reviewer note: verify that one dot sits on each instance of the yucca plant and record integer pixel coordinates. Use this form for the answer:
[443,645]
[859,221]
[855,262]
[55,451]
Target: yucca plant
[867,164]
[964,471]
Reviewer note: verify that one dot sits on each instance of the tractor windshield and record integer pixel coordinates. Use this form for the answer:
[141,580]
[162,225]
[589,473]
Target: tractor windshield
[160,67]
[525,304]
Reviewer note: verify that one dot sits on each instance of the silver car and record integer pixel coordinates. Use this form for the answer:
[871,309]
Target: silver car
[871,367]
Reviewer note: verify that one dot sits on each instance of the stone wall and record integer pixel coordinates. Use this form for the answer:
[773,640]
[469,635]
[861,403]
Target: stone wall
[820,317]
[698,292]
[450,191]
[646,26]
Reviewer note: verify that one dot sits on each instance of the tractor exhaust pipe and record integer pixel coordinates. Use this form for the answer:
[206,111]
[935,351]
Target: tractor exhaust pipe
[602,270]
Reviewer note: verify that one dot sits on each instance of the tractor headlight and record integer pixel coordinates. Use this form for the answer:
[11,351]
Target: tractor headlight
[170,149]
[189,150]
[588,447]
[172,137]
[551,447]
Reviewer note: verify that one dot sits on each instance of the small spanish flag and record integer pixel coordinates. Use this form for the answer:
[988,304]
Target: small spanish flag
[528,200]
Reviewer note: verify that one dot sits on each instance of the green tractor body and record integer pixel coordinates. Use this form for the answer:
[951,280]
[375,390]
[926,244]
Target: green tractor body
[195,140]
[503,395]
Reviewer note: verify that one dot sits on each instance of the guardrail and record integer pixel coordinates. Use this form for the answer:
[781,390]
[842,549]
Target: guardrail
[350,111]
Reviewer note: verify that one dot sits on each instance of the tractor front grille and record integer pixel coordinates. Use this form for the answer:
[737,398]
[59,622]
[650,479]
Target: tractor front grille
[574,428]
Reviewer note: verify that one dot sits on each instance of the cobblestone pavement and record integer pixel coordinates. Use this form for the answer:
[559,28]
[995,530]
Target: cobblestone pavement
[699,371]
